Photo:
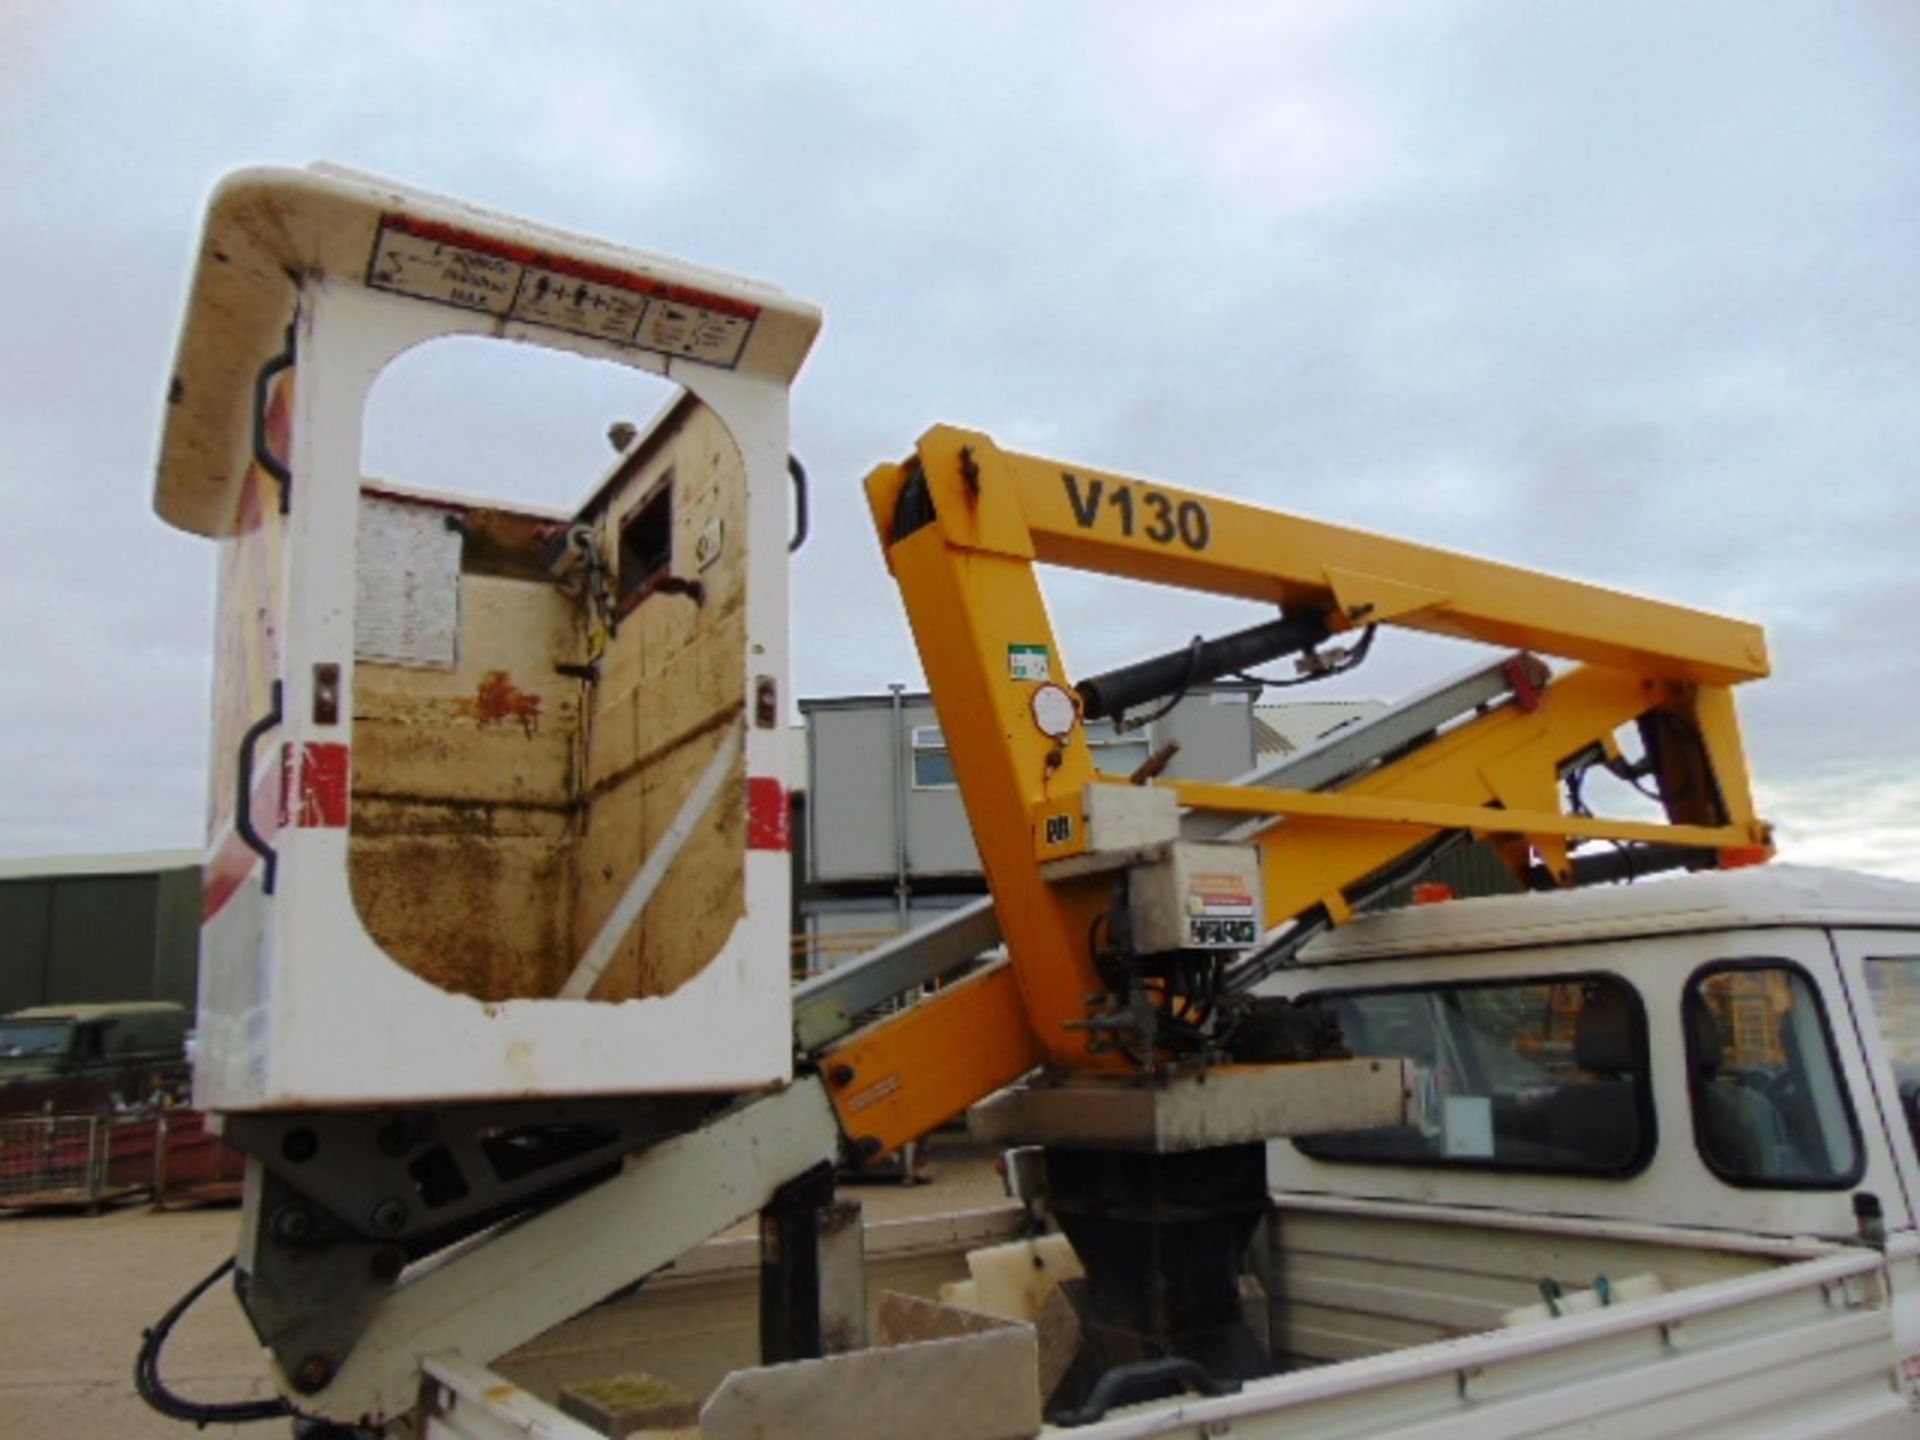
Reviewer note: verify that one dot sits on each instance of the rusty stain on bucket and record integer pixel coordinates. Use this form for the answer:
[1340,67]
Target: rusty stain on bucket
[499,700]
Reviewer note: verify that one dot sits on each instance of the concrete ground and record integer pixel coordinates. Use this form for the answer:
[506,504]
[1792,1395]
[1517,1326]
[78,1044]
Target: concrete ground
[79,1289]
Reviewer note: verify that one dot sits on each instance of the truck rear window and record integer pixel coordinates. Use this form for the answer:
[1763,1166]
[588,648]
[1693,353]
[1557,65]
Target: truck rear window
[1769,1107]
[1543,1075]
[1894,983]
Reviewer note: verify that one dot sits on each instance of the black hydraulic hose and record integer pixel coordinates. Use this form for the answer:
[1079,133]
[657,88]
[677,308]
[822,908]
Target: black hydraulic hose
[1626,862]
[1118,691]
[1279,953]
[1353,661]
[1178,693]
[153,1390]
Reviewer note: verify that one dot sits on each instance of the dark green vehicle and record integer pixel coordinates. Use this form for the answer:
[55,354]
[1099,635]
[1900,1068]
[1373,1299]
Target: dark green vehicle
[79,1058]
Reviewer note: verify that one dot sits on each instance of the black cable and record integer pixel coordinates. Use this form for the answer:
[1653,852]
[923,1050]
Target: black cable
[1123,723]
[1576,794]
[1351,662]
[1634,772]
[1250,971]
[1679,731]
[153,1390]
[1577,805]
[1640,789]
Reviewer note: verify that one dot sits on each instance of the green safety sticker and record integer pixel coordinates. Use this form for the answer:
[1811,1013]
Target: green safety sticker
[1028,662]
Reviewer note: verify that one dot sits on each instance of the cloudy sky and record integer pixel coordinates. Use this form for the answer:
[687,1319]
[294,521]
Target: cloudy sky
[1625,291]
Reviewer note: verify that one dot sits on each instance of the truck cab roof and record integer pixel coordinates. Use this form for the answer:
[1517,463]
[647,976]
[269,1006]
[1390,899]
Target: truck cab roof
[1760,897]
[116,1029]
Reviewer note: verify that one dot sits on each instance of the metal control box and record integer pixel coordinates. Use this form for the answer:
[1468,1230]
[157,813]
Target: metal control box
[1196,897]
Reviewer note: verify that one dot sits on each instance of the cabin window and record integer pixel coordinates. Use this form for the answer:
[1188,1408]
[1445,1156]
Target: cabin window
[646,546]
[1769,1106]
[1894,985]
[1533,1075]
[932,765]
[22,1040]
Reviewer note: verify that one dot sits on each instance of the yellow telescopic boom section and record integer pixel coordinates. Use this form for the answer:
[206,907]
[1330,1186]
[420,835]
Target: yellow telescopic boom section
[963,524]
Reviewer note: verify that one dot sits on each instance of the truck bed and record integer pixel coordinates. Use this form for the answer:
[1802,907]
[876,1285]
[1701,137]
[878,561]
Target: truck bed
[1387,1319]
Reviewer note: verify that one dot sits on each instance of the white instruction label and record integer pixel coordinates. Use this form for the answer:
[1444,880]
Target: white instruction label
[451,274]
[1466,1127]
[605,312]
[713,539]
[407,592]
[431,261]
[693,330]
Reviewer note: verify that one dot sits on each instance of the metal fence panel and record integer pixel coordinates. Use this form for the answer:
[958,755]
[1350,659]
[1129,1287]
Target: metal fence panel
[48,1160]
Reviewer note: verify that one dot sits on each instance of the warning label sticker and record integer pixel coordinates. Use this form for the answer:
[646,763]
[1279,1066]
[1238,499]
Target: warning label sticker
[692,330]
[1221,911]
[603,311]
[1028,662]
[1218,895]
[429,270]
[431,261]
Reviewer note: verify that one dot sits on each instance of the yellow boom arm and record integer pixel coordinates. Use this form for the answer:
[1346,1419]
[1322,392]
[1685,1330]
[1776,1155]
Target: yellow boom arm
[963,524]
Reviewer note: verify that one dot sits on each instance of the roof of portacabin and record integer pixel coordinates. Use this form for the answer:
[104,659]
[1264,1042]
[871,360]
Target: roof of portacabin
[141,862]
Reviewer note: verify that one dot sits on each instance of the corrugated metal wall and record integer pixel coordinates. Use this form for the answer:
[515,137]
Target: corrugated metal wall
[78,938]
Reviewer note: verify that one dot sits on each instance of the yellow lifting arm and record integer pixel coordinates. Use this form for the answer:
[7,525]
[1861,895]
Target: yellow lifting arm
[963,524]
[990,501]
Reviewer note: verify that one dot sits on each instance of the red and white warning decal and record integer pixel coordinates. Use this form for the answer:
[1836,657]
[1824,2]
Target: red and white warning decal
[1210,894]
[450,266]
[768,822]
[315,782]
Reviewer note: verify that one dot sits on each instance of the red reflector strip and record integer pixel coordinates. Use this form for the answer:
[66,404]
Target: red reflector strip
[220,880]
[1526,694]
[324,772]
[768,824]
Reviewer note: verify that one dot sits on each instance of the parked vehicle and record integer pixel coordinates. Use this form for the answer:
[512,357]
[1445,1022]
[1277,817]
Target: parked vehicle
[79,1058]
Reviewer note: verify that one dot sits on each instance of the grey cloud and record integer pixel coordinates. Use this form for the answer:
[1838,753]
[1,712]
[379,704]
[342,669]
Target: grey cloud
[1622,292]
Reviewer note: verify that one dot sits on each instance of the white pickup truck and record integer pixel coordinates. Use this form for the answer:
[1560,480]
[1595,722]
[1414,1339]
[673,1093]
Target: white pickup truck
[1664,1184]
[1700,1089]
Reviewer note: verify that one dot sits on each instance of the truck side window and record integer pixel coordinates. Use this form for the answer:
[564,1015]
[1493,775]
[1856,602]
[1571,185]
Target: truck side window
[1542,1075]
[1894,984]
[1769,1108]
